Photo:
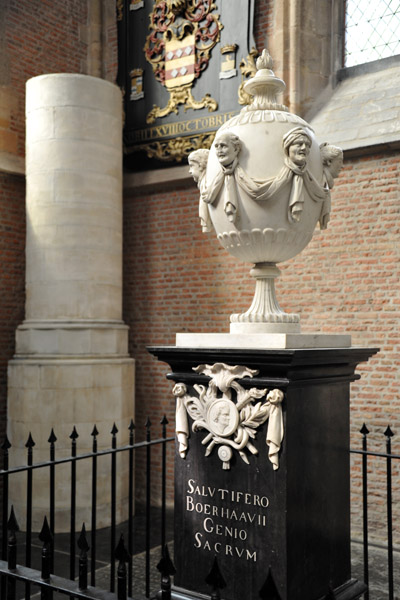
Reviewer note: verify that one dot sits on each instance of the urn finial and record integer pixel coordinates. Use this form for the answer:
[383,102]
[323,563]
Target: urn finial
[264,86]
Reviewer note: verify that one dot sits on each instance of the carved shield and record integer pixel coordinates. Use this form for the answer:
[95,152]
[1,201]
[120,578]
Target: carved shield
[180,58]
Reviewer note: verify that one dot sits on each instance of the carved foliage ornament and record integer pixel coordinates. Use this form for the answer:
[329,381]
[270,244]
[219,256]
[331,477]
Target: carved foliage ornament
[178,148]
[182,35]
[229,413]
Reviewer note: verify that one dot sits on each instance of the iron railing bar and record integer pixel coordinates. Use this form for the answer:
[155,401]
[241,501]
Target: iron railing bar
[56,584]
[5,448]
[94,509]
[163,485]
[365,512]
[130,508]
[148,492]
[73,509]
[381,454]
[60,461]
[113,507]
[52,441]
[28,536]
[389,517]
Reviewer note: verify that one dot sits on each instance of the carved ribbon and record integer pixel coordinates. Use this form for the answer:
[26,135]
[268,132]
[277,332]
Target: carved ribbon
[266,189]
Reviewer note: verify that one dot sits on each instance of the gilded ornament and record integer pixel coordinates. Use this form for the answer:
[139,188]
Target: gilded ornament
[120,10]
[228,64]
[248,69]
[178,148]
[182,35]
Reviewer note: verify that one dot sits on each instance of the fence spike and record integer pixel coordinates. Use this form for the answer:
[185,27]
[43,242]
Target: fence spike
[12,524]
[6,444]
[364,429]
[82,540]
[114,429]
[269,591]
[52,439]
[122,555]
[166,566]
[148,423]
[12,527]
[132,426]
[83,559]
[47,559]
[45,533]
[215,580]
[121,552]
[74,435]
[164,420]
[388,432]
[94,431]
[30,443]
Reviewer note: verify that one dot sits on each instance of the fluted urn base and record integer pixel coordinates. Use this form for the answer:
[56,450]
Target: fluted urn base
[265,315]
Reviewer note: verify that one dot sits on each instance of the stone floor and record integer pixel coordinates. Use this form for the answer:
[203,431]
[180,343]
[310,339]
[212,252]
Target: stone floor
[377,560]
[378,571]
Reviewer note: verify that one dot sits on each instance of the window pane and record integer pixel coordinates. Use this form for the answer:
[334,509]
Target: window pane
[372,30]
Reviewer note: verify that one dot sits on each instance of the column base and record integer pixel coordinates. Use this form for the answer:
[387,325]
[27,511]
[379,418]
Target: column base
[60,393]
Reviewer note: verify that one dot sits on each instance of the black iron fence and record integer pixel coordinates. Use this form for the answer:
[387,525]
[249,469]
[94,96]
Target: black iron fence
[44,577]
[82,580]
[388,457]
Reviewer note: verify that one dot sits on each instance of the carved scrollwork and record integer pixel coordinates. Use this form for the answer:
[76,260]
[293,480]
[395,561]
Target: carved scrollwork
[248,69]
[179,148]
[230,414]
[182,95]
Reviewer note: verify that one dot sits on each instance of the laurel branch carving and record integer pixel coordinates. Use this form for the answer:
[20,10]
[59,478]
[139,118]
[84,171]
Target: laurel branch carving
[230,414]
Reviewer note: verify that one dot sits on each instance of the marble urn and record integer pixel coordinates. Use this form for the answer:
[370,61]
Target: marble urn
[264,188]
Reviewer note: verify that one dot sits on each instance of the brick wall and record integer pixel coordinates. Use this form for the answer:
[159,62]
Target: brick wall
[178,279]
[262,23]
[40,38]
[12,275]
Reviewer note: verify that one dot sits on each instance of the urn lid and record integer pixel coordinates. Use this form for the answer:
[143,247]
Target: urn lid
[265,86]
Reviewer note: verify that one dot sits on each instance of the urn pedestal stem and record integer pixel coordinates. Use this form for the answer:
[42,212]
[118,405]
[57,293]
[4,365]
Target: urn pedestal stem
[265,314]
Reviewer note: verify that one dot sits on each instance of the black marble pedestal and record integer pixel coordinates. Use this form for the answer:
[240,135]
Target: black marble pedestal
[281,533]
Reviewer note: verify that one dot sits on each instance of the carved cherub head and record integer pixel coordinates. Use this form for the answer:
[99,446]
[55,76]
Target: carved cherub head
[332,158]
[227,146]
[179,389]
[297,144]
[198,163]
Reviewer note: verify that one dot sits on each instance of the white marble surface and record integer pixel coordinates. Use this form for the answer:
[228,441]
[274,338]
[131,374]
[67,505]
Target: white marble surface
[71,366]
[262,340]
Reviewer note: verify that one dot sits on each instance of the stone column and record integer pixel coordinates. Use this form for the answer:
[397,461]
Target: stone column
[71,365]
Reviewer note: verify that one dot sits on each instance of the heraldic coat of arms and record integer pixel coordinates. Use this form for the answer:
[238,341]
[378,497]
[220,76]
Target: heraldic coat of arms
[182,35]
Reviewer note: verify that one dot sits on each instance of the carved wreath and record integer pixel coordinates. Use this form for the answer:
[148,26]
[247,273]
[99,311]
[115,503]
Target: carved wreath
[231,425]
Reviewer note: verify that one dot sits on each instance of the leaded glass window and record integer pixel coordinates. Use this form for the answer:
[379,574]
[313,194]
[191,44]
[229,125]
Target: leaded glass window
[372,30]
